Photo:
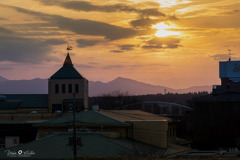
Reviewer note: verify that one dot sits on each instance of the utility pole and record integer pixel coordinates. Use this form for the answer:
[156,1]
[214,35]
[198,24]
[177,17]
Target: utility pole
[74,129]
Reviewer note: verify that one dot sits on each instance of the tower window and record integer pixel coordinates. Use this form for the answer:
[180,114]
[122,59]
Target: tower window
[70,88]
[76,88]
[63,88]
[56,88]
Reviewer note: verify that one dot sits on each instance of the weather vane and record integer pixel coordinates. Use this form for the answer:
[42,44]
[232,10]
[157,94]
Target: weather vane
[69,48]
[229,50]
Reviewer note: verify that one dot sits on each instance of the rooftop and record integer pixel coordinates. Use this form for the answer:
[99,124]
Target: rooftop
[130,115]
[83,118]
[67,71]
[24,101]
[56,146]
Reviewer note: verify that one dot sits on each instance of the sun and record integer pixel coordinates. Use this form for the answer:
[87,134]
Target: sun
[170,3]
[163,30]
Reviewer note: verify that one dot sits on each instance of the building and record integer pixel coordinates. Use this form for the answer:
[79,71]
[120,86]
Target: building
[65,87]
[132,124]
[229,73]
[39,120]
[216,117]
[111,133]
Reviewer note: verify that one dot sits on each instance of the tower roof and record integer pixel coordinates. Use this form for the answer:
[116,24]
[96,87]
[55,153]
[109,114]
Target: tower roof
[68,61]
[67,71]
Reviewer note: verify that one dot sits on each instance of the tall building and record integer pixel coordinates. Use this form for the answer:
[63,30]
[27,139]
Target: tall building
[67,86]
[229,72]
[216,117]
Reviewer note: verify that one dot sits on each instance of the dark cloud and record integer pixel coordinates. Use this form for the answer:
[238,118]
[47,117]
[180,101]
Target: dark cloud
[19,49]
[162,42]
[144,22]
[84,26]
[86,42]
[5,31]
[116,51]
[173,18]
[122,48]
[127,47]
[3,18]
[88,7]
[34,27]
[232,12]
[39,33]
[151,12]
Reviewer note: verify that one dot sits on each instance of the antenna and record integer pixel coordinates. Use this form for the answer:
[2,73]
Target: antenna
[229,50]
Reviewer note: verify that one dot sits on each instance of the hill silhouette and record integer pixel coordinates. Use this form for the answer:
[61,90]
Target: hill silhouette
[40,86]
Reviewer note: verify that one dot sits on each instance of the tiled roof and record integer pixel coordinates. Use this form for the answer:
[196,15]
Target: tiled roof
[56,146]
[84,118]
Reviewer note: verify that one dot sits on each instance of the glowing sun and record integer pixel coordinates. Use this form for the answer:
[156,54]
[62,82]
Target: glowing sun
[163,30]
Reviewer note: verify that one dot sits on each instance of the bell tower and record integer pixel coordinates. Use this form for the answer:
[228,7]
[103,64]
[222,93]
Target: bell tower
[66,87]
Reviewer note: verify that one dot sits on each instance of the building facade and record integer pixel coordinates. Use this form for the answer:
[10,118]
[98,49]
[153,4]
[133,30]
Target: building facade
[67,87]
[229,73]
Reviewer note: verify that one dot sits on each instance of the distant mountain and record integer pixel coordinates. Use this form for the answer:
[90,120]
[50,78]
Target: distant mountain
[2,79]
[136,88]
[40,86]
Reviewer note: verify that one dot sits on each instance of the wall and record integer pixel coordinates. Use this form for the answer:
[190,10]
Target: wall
[57,98]
[151,132]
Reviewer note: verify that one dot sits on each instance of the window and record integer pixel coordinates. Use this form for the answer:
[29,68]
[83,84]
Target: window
[63,88]
[70,88]
[56,88]
[76,88]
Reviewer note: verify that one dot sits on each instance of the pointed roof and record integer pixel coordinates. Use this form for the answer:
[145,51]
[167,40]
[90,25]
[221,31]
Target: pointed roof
[67,71]
[68,61]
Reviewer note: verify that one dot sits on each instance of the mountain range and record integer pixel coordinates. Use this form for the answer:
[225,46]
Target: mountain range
[133,87]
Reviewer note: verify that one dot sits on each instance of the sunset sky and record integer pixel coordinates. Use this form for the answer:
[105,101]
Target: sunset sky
[173,43]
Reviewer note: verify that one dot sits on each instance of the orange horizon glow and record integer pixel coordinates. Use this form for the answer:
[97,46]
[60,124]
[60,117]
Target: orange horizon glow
[173,43]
